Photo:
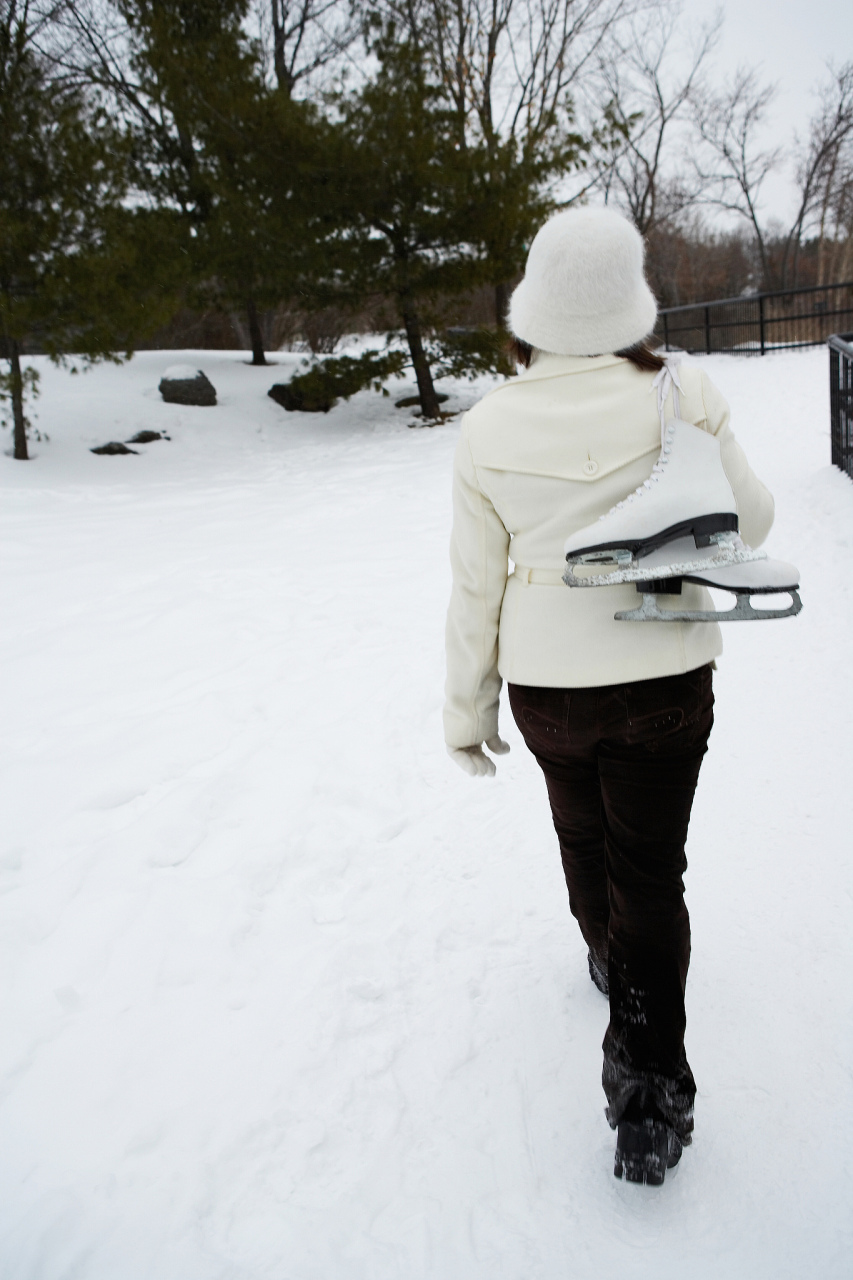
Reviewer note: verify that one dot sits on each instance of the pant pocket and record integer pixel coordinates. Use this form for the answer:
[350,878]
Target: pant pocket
[672,713]
[542,715]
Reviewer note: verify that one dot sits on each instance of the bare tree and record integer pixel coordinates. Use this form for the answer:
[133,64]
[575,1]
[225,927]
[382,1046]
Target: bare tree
[305,37]
[92,45]
[823,166]
[646,85]
[35,18]
[835,231]
[733,167]
[510,65]
[510,69]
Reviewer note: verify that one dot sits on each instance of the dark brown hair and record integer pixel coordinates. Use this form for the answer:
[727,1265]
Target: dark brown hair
[641,355]
[520,351]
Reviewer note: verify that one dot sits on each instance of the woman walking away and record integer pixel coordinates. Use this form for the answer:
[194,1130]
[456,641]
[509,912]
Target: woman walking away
[616,713]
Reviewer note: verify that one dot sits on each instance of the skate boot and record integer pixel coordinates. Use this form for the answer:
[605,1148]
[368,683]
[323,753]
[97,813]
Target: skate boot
[645,1145]
[687,498]
[745,580]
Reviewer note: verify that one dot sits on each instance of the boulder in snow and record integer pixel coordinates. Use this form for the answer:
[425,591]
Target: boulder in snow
[182,384]
[409,402]
[114,446]
[297,399]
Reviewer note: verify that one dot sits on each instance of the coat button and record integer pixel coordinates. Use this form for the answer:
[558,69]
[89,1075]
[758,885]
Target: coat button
[590,468]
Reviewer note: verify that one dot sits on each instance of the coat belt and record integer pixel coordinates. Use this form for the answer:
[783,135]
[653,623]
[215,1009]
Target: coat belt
[539,577]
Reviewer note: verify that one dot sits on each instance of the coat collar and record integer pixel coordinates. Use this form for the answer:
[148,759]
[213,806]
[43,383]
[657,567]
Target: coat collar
[546,365]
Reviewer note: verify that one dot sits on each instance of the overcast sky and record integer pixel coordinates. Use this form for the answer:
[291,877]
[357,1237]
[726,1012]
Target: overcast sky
[790,41]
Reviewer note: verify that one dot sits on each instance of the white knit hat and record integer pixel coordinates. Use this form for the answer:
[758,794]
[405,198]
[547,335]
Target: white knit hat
[583,292]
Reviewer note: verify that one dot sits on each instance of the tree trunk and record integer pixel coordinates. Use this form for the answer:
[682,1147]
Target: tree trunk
[18,401]
[502,306]
[505,365]
[255,334]
[283,78]
[426,390]
[766,273]
[278,46]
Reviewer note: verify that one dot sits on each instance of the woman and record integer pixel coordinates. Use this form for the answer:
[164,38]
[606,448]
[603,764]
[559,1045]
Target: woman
[617,714]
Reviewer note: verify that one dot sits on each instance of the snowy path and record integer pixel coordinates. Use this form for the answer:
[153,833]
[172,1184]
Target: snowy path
[287,997]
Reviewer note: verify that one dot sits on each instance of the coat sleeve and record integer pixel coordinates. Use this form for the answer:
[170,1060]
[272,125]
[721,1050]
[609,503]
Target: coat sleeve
[479,549]
[755,504]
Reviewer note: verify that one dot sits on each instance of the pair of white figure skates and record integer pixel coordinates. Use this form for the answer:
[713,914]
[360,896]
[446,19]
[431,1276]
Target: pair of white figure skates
[680,525]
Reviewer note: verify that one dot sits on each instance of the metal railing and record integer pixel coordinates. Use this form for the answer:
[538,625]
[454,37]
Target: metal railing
[841,400]
[759,322]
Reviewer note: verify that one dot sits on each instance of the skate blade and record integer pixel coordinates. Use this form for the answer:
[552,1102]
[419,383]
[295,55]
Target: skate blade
[727,556]
[704,530]
[742,610]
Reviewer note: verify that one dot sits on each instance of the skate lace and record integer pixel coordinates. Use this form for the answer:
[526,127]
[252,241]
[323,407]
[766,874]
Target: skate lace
[657,471]
[665,380]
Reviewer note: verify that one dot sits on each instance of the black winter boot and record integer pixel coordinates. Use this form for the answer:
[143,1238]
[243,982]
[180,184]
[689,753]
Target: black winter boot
[645,1145]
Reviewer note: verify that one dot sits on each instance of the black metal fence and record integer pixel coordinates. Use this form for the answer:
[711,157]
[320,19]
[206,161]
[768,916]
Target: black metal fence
[759,322]
[841,400]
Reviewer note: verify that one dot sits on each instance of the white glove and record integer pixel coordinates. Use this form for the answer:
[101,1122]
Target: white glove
[474,759]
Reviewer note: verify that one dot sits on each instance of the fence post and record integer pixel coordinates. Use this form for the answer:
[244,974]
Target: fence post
[708,330]
[841,400]
[761,319]
[835,408]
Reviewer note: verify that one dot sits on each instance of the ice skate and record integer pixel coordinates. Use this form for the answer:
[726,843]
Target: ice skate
[687,500]
[674,558]
[745,580]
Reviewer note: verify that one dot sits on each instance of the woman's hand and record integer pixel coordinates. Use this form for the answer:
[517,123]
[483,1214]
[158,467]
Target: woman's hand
[474,759]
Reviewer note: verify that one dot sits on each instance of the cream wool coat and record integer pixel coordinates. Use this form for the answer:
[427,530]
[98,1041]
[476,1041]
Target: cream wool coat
[538,458]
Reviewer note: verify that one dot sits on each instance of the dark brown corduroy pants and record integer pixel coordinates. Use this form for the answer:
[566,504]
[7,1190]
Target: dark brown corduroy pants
[621,763]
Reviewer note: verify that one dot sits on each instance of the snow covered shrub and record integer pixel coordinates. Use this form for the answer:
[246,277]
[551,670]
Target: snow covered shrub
[323,384]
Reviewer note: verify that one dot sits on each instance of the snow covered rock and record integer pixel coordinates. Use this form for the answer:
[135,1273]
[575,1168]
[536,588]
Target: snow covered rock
[147,437]
[181,384]
[411,402]
[114,446]
[295,401]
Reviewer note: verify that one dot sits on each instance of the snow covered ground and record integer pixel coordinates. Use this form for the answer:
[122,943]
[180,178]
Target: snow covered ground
[286,996]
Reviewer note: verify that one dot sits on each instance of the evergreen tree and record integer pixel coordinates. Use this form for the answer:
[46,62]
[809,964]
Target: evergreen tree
[515,180]
[237,157]
[79,271]
[509,68]
[406,193]
[261,242]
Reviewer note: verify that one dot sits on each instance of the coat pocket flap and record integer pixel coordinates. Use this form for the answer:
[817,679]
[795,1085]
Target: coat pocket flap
[569,463]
